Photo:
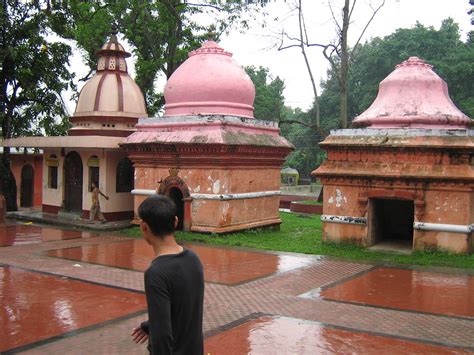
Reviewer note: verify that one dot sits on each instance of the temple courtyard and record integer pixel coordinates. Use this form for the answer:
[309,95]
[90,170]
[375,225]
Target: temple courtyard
[70,291]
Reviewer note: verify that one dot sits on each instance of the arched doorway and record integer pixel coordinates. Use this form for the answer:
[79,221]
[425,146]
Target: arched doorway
[27,186]
[73,182]
[177,196]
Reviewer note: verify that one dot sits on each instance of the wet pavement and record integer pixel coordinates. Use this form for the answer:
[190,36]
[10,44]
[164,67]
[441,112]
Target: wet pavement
[283,335]
[18,234]
[74,292]
[408,290]
[221,265]
[37,306]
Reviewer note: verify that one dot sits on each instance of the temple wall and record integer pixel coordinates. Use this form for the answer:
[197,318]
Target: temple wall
[118,201]
[341,200]
[450,207]
[53,198]
[119,205]
[442,204]
[205,184]
[17,161]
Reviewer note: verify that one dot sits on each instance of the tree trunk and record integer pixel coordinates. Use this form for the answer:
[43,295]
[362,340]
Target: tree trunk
[344,66]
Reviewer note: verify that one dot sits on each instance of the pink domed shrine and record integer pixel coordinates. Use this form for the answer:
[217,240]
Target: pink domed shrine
[402,177]
[109,106]
[208,153]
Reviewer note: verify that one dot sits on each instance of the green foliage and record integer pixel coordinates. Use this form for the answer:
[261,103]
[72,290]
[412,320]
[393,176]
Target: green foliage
[33,75]
[453,60]
[303,234]
[160,32]
[269,100]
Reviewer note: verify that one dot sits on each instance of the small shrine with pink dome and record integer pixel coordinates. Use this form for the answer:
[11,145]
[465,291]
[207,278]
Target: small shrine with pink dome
[403,176]
[208,153]
[109,106]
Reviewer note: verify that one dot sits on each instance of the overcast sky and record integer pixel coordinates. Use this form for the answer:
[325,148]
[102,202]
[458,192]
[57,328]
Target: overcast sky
[254,47]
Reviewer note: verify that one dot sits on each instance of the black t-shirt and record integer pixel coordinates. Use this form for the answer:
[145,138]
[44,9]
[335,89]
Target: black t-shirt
[174,287]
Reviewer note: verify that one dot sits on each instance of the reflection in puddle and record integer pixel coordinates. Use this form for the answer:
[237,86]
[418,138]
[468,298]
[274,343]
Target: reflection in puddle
[18,234]
[221,265]
[410,290]
[37,306]
[282,335]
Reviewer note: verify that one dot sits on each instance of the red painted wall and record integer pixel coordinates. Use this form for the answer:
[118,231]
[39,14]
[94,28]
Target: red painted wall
[36,161]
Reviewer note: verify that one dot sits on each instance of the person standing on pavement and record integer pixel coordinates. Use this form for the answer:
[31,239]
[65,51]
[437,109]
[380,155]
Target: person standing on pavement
[95,207]
[174,285]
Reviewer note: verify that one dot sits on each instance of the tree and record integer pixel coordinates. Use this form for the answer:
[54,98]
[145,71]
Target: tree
[452,59]
[33,75]
[160,32]
[337,53]
[269,100]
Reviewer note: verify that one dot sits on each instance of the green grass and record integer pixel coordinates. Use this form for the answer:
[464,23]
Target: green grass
[309,202]
[302,234]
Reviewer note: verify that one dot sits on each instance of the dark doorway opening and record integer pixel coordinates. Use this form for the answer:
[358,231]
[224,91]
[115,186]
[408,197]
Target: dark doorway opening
[177,196]
[27,186]
[73,183]
[391,223]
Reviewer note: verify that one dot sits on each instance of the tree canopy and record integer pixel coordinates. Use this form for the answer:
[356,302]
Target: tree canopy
[33,75]
[452,58]
[269,100]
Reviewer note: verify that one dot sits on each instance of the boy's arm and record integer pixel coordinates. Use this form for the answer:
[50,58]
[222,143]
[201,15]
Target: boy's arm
[159,314]
[106,197]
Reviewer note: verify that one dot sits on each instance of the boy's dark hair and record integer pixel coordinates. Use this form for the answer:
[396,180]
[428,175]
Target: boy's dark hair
[159,212]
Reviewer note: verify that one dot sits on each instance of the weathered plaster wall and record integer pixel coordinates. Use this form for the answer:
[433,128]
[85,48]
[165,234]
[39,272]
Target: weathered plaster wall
[231,214]
[53,197]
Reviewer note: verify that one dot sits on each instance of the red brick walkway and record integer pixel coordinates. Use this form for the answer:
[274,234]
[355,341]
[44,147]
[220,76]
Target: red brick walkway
[278,294]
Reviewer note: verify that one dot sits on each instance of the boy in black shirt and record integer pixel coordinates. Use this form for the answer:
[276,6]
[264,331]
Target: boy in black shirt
[174,285]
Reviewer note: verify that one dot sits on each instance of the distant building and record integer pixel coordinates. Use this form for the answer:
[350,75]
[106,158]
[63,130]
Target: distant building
[289,176]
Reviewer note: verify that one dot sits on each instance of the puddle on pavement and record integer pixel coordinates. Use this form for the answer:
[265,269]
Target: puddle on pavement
[408,290]
[37,306]
[282,335]
[221,265]
[20,234]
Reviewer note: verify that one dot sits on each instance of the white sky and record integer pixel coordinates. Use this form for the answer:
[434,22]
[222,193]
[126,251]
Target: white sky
[254,46]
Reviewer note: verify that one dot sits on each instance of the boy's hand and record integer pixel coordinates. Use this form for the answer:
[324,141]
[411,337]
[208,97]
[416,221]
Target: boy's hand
[139,336]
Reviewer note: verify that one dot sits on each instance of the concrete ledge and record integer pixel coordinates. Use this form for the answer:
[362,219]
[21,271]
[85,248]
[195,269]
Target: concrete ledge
[48,218]
[236,227]
[301,207]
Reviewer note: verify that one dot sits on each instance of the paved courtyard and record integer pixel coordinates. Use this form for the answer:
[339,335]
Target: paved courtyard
[76,292]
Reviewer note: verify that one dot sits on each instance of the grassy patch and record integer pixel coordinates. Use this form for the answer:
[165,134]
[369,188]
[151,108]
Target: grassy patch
[310,202]
[302,234]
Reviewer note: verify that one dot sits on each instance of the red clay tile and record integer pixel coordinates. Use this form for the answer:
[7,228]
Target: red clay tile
[221,265]
[409,290]
[282,335]
[37,306]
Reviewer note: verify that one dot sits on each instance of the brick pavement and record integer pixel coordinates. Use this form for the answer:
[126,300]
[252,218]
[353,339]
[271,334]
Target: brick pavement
[277,295]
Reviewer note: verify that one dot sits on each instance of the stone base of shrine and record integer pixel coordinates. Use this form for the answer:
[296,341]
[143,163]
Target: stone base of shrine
[271,223]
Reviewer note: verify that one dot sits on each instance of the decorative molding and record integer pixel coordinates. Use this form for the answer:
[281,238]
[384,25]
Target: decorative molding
[440,227]
[361,221]
[173,180]
[238,196]
[220,197]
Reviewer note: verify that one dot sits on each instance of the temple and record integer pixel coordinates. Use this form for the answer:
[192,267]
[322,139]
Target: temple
[109,106]
[208,153]
[403,176]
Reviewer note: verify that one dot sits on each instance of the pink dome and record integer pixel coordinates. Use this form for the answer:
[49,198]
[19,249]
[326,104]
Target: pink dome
[413,96]
[209,82]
